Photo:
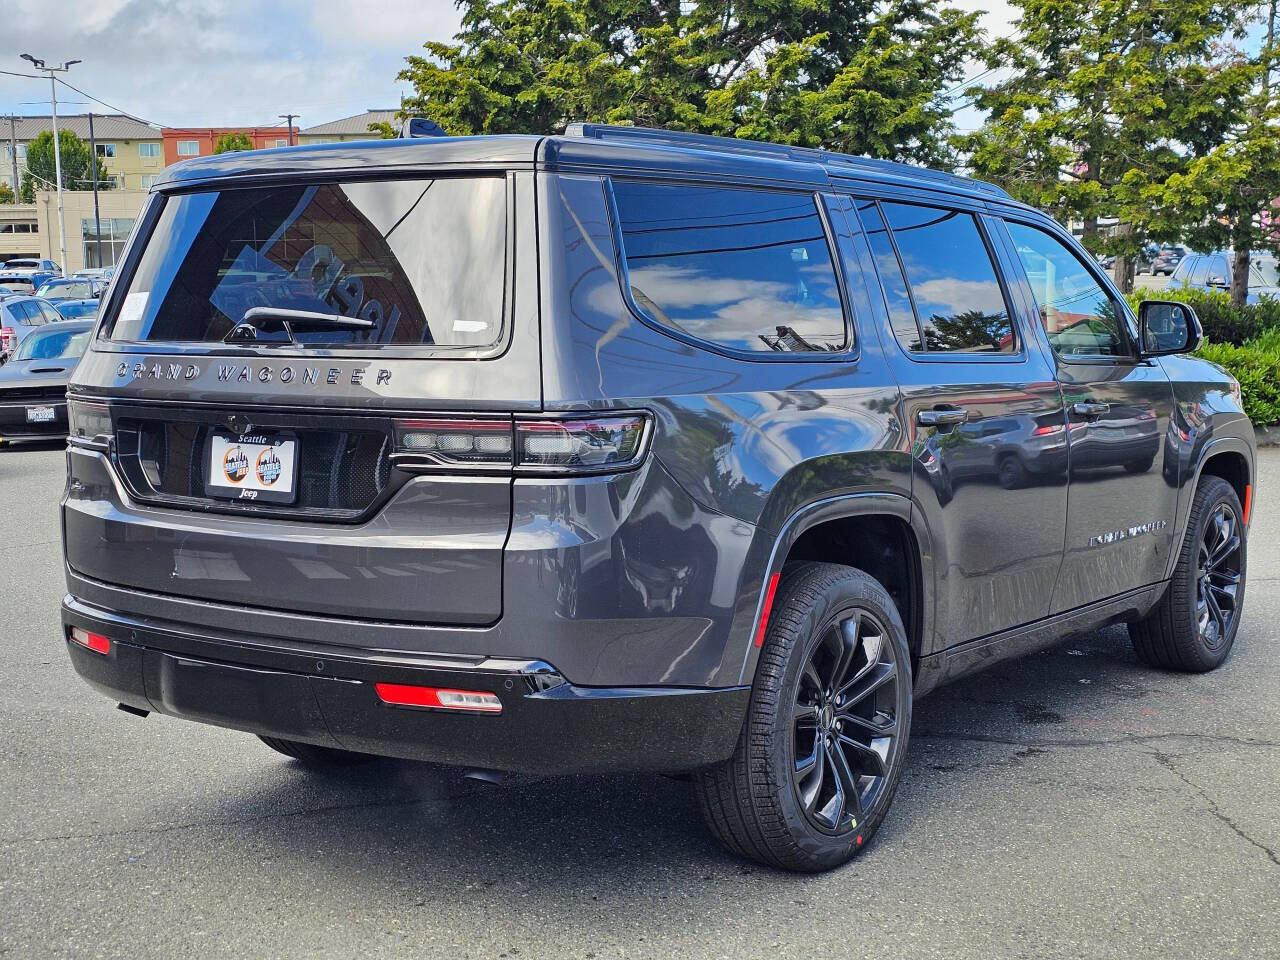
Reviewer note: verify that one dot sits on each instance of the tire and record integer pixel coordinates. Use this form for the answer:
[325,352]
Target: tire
[317,758]
[753,801]
[1011,473]
[1182,632]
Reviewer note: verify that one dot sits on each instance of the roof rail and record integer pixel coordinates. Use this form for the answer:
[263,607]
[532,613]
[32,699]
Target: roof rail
[835,163]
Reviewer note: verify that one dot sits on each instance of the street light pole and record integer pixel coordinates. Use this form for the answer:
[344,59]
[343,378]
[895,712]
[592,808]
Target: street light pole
[57,148]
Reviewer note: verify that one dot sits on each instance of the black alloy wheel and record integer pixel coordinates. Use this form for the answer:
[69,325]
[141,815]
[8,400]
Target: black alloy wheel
[823,743]
[846,721]
[1194,625]
[1218,576]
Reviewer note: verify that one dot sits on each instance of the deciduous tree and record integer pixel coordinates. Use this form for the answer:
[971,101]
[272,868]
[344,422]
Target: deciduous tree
[232,142]
[78,167]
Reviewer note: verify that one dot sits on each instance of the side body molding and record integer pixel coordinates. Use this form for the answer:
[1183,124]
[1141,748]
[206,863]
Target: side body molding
[838,508]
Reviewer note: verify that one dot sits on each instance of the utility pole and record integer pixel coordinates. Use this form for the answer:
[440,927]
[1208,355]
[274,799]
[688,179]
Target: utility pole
[97,221]
[57,148]
[289,118]
[13,155]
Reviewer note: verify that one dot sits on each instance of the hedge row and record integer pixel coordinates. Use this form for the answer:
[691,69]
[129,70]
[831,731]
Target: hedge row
[1222,322]
[1244,340]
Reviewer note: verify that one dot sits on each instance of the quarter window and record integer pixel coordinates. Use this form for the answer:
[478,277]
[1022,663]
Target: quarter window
[747,269]
[958,300]
[1079,316]
[901,314]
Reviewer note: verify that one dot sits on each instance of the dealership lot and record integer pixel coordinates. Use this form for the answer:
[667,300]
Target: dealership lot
[1068,804]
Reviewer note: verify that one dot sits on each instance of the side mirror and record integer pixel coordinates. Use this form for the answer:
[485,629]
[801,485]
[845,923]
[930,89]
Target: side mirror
[1168,327]
[1216,281]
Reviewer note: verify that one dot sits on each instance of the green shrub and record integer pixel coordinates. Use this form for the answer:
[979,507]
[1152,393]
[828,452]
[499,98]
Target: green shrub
[1222,322]
[1256,365]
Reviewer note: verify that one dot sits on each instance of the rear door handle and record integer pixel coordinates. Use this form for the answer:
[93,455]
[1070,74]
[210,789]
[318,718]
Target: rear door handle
[942,417]
[1090,409]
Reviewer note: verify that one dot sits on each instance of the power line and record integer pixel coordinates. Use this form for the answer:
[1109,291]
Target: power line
[123,113]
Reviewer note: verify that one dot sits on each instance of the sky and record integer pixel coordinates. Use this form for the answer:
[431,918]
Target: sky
[240,62]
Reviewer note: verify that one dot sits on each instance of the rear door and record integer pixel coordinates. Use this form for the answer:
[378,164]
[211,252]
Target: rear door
[989,433]
[1123,494]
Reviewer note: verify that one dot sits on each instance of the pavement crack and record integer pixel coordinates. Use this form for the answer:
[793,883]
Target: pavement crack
[1167,761]
[1085,742]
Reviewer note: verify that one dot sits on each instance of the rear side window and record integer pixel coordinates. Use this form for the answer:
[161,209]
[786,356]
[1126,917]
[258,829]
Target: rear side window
[746,269]
[1199,270]
[423,260]
[959,304]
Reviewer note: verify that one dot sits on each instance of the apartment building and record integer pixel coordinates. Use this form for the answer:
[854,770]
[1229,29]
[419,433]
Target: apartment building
[182,143]
[131,151]
[349,128]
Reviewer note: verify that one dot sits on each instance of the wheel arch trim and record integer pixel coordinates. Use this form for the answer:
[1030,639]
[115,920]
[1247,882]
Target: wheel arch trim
[862,504]
[1221,445]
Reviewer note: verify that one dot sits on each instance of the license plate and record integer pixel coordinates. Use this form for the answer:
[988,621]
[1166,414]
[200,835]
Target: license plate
[40,414]
[260,468]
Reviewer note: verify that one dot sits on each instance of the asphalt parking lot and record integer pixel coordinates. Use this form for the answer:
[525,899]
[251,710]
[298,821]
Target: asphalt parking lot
[1071,804]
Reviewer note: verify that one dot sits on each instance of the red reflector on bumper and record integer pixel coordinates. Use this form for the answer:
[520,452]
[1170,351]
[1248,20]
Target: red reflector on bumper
[91,641]
[405,695]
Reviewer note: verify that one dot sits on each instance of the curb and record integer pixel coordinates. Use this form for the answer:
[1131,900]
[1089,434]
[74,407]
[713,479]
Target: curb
[1267,436]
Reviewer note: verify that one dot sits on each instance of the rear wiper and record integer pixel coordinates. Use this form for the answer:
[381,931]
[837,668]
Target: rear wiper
[269,318]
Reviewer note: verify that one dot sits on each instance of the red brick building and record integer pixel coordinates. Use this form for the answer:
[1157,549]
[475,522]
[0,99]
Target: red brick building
[180,143]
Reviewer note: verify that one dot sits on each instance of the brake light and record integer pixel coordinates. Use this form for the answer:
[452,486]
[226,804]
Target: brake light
[441,698]
[8,339]
[1047,430]
[573,444]
[91,641]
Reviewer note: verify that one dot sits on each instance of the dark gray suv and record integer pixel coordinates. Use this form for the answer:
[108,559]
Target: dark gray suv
[628,450]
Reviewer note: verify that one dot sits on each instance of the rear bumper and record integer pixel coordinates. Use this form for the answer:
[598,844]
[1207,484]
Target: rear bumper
[15,426]
[547,725]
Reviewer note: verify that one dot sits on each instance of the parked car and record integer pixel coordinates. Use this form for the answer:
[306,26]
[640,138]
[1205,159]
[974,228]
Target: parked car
[1167,260]
[70,288]
[100,273]
[1213,271]
[21,283]
[629,450]
[19,315]
[33,384]
[78,309]
[32,267]
[1145,260]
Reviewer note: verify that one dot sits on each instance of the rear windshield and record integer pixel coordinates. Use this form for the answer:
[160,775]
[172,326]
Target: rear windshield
[422,260]
[53,344]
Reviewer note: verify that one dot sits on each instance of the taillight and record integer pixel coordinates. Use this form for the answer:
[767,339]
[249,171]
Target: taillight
[574,444]
[8,339]
[89,423]
[588,444]
[449,442]
[1046,430]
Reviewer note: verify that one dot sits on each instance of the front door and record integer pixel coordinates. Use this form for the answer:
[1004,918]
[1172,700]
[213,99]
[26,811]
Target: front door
[1123,496]
[989,431]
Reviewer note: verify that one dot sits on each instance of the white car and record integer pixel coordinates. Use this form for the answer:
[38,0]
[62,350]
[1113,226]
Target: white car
[31,267]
